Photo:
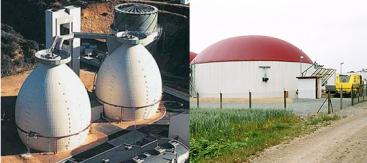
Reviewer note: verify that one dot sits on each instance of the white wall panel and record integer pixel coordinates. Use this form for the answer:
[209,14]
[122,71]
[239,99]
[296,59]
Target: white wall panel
[307,88]
[235,79]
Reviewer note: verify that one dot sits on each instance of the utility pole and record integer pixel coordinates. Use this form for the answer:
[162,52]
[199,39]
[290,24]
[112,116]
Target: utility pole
[300,65]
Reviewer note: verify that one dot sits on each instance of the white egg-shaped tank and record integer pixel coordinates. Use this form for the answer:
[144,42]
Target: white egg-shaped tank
[52,110]
[129,84]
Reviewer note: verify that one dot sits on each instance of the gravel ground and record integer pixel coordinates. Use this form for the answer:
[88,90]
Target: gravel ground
[343,141]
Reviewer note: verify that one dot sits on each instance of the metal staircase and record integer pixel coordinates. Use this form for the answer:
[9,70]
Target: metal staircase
[316,70]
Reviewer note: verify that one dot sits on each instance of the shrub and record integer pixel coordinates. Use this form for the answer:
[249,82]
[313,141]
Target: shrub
[17,53]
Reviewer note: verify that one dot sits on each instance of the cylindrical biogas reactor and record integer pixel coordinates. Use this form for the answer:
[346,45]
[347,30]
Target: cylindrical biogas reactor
[135,17]
[53,111]
[128,82]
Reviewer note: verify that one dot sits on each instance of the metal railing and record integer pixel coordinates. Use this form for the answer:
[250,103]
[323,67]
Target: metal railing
[358,93]
[253,99]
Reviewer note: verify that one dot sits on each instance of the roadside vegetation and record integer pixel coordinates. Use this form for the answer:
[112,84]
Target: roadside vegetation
[233,135]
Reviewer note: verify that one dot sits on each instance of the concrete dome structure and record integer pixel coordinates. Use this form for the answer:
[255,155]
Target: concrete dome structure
[264,65]
[251,48]
[53,110]
[129,84]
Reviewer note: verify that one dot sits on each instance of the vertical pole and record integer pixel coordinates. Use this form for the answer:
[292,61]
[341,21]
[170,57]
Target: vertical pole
[250,99]
[352,95]
[285,99]
[197,99]
[300,67]
[341,96]
[359,92]
[221,100]
[328,103]
[364,91]
[341,86]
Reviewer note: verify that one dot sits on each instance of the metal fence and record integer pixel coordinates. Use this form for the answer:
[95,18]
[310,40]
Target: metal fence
[255,100]
[358,93]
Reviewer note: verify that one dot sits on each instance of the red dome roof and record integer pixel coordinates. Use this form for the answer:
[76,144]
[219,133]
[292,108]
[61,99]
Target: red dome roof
[251,48]
[192,56]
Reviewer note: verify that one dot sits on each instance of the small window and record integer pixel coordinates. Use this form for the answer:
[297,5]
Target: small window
[65,29]
[344,78]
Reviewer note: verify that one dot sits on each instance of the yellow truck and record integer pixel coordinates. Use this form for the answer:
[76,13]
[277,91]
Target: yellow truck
[345,82]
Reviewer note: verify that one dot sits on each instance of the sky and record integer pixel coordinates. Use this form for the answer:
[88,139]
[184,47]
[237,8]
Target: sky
[328,31]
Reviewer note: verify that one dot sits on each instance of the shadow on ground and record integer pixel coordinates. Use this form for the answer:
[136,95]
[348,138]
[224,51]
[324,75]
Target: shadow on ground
[10,141]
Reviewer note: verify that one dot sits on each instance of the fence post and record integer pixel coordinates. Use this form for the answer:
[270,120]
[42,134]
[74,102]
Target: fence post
[352,95]
[359,92]
[364,91]
[250,99]
[221,100]
[285,99]
[197,99]
[328,103]
[341,96]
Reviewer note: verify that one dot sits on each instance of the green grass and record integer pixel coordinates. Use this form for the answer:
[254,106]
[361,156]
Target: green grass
[232,135]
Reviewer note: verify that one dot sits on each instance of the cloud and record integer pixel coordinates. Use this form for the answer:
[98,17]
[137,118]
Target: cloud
[329,31]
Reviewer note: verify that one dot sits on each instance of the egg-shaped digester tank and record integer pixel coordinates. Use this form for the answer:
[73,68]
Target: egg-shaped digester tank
[53,111]
[129,84]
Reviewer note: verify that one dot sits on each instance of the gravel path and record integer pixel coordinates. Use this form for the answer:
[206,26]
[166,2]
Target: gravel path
[344,141]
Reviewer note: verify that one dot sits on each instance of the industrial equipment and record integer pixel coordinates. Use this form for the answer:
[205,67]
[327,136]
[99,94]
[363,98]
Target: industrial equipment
[129,83]
[135,17]
[345,82]
[53,111]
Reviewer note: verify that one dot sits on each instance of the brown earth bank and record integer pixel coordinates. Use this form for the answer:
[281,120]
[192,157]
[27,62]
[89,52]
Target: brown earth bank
[344,141]
[170,51]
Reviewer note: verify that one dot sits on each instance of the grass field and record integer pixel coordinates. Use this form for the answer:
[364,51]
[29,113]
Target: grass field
[232,135]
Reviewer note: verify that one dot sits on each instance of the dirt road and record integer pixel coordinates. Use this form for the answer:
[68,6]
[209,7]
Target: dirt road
[344,141]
